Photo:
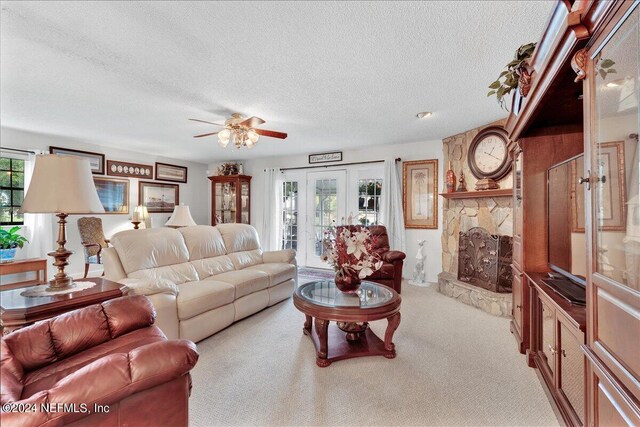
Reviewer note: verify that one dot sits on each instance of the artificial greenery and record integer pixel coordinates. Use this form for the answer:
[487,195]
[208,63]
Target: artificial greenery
[10,239]
[604,68]
[510,76]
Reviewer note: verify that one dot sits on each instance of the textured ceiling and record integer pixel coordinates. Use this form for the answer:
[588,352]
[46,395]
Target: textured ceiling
[334,75]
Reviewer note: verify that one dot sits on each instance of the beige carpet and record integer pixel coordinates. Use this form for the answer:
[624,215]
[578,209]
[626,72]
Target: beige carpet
[456,365]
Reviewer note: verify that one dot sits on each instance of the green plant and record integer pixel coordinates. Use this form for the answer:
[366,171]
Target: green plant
[10,239]
[511,75]
[605,68]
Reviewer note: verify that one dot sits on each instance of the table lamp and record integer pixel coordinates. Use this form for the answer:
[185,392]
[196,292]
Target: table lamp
[62,185]
[143,216]
[181,217]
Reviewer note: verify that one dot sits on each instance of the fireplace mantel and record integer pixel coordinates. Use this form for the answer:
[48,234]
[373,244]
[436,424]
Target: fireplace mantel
[500,192]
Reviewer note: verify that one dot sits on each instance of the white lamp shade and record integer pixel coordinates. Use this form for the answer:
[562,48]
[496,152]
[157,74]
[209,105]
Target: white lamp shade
[61,184]
[181,217]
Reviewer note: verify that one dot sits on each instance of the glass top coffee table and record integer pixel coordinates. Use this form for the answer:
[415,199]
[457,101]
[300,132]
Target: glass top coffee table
[322,303]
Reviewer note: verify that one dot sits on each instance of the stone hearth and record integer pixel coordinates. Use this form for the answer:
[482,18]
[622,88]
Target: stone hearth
[497,304]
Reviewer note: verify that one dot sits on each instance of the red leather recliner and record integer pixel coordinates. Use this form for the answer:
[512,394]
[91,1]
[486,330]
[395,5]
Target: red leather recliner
[105,364]
[391,272]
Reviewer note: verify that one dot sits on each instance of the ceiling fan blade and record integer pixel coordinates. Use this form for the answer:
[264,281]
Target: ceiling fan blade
[204,121]
[205,134]
[271,133]
[252,122]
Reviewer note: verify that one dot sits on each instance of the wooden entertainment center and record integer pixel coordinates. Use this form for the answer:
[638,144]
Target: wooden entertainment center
[587,356]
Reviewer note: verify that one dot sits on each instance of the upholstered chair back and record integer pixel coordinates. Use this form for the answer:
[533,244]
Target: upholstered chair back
[91,232]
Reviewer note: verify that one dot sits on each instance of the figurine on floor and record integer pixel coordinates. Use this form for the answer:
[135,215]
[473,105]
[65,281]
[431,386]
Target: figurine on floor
[419,275]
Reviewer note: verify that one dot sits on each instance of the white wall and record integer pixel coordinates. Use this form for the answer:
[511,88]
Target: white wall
[409,151]
[195,193]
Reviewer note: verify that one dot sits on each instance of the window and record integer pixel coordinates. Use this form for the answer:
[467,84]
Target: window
[369,191]
[290,215]
[11,190]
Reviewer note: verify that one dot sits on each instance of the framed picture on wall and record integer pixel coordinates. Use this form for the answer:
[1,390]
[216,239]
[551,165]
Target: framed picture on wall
[114,194]
[167,172]
[158,197]
[420,196]
[95,159]
[128,169]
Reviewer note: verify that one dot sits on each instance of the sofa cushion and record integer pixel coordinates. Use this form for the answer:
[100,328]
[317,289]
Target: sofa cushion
[203,241]
[149,248]
[211,266]
[245,281]
[47,376]
[239,237]
[198,297]
[246,259]
[178,273]
[278,271]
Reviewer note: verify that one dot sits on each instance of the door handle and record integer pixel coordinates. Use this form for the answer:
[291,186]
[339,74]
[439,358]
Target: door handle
[586,180]
[552,350]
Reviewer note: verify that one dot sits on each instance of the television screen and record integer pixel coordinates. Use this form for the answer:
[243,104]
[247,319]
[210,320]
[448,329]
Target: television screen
[565,211]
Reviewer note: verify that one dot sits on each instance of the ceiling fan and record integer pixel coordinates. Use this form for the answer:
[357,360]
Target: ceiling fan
[241,131]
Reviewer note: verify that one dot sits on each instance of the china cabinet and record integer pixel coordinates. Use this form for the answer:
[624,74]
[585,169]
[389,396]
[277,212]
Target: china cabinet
[230,199]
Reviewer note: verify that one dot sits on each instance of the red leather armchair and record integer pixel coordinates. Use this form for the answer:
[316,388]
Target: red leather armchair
[391,272]
[105,364]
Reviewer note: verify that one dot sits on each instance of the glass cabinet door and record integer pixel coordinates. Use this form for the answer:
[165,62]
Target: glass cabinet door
[615,173]
[517,205]
[225,193]
[244,201]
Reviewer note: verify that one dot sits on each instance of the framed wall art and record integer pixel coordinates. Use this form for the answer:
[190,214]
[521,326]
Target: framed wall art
[420,193]
[114,194]
[167,172]
[129,170]
[95,159]
[335,156]
[158,197]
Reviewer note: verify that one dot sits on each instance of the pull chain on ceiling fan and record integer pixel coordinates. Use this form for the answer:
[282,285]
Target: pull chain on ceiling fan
[240,131]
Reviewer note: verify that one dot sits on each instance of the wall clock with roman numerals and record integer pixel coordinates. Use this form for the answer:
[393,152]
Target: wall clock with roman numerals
[488,157]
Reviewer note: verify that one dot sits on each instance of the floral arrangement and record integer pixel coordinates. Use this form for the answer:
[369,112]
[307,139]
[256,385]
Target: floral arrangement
[228,169]
[350,252]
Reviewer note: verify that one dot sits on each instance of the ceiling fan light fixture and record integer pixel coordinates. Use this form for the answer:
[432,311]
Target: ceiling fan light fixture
[223,137]
[253,136]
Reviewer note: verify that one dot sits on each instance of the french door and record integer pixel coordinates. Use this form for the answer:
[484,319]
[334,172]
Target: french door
[326,207]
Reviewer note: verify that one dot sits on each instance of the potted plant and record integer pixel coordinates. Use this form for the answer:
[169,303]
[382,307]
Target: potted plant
[517,74]
[9,241]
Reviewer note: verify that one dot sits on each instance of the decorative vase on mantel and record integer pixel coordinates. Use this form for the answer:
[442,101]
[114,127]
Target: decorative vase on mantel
[450,180]
[348,282]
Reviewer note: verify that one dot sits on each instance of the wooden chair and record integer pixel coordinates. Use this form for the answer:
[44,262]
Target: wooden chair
[93,240]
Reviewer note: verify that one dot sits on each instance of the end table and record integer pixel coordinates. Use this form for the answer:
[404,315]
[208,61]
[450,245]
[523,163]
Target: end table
[17,311]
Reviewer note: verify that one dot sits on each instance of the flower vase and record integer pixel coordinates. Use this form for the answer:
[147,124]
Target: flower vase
[348,283]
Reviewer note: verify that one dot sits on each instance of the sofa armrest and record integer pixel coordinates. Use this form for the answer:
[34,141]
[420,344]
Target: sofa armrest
[393,256]
[286,255]
[113,269]
[105,381]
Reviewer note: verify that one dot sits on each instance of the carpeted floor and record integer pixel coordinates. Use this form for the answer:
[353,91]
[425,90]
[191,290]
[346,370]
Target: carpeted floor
[456,365]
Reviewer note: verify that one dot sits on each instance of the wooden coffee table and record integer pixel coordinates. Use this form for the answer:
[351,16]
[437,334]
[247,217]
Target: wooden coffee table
[350,336]
[17,311]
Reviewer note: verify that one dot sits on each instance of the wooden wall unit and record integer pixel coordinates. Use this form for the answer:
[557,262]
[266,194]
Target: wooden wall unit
[559,119]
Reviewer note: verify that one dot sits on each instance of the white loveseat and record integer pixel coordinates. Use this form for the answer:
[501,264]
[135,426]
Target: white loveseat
[210,276]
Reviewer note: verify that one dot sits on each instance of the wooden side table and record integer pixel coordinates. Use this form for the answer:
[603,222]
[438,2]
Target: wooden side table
[39,265]
[17,311]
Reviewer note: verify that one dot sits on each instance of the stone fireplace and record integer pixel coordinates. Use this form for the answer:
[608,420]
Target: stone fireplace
[492,213]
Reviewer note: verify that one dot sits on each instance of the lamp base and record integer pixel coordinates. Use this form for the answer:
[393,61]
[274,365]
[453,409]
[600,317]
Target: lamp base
[57,284]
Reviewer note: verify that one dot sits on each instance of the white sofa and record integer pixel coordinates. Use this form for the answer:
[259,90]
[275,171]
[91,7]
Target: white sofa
[220,275]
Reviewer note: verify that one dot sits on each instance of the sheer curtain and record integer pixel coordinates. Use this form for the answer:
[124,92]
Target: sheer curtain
[391,196]
[270,216]
[38,227]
